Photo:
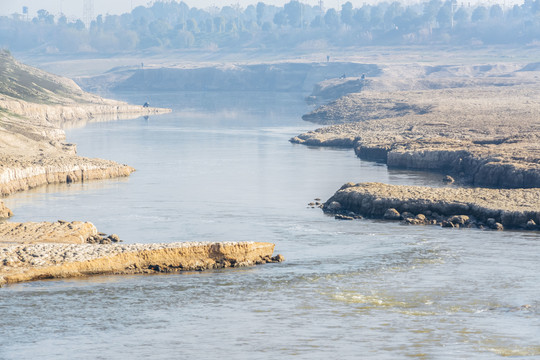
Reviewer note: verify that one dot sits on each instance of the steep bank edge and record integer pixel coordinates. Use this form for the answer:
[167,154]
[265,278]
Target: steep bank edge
[185,257]
[504,206]
[471,168]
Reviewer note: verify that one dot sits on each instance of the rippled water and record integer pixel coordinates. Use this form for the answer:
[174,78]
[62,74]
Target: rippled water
[220,168]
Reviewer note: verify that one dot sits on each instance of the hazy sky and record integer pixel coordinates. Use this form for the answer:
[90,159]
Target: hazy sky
[74,8]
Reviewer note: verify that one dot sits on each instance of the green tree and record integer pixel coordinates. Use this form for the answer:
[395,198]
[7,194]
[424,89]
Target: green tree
[192,26]
[496,12]
[331,18]
[280,19]
[393,11]
[347,13]
[431,9]
[261,9]
[480,13]
[293,13]
[219,24]
[444,16]
[462,16]
[361,17]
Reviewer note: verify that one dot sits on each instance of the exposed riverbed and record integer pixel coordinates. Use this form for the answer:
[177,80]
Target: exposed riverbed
[220,168]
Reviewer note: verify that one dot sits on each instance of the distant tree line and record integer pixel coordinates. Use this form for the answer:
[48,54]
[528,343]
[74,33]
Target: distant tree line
[174,25]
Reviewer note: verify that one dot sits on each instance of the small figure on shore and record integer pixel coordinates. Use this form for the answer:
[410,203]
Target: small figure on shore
[327,58]
[363,77]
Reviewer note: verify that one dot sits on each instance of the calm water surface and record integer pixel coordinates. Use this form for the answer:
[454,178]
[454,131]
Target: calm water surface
[220,168]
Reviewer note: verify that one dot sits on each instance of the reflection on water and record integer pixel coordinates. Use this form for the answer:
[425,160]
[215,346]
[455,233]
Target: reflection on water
[348,290]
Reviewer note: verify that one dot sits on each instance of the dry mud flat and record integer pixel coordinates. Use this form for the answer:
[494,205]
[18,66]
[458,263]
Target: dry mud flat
[448,207]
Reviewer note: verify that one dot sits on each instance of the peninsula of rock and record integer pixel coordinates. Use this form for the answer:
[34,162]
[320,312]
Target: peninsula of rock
[29,262]
[448,207]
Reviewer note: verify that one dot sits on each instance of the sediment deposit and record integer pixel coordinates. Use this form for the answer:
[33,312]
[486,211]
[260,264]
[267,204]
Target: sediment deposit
[480,207]
[485,136]
[34,106]
[74,232]
[30,262]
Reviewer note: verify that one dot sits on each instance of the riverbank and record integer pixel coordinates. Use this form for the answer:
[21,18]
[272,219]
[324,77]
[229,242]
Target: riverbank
[447,207]
[476,125]
[483,136]
[31,262]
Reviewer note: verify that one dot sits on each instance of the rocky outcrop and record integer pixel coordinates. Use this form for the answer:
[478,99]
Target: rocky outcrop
[49,261]
[34,105]
[14,179]
[485,136]
[75,232]
[4,211]
[511,208]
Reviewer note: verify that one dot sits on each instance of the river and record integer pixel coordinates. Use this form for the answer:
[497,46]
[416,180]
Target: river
[220,168]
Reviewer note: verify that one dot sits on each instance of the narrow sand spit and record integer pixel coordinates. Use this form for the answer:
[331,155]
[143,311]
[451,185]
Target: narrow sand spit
[28,262]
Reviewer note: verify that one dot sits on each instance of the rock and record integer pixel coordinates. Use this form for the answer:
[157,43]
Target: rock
[421,217]
[511,207]
[4,211]
[447,224]
[70,178]
[448,179]
[343,217]
[531,225]
[311,204]
[406,215]
[114,238]
[459,219]
[334,206]
[392,214]
[498,226]
[278,258]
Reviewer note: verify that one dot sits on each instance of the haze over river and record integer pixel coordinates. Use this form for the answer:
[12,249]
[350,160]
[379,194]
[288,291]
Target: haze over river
[220,168]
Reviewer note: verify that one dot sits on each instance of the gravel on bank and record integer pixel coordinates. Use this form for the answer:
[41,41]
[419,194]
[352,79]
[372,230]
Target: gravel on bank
[479,207]
[27,262]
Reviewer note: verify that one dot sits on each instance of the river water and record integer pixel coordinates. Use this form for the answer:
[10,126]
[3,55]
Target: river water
[220,168]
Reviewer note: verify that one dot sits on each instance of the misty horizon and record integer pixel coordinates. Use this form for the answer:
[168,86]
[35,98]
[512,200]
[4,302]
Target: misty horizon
[74,9]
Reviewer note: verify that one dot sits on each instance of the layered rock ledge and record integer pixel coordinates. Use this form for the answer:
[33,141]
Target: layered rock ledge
[29,262]
[486,134]
[34,107]
[479,207]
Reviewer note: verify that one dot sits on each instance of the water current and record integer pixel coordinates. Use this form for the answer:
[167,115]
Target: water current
[220,168]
